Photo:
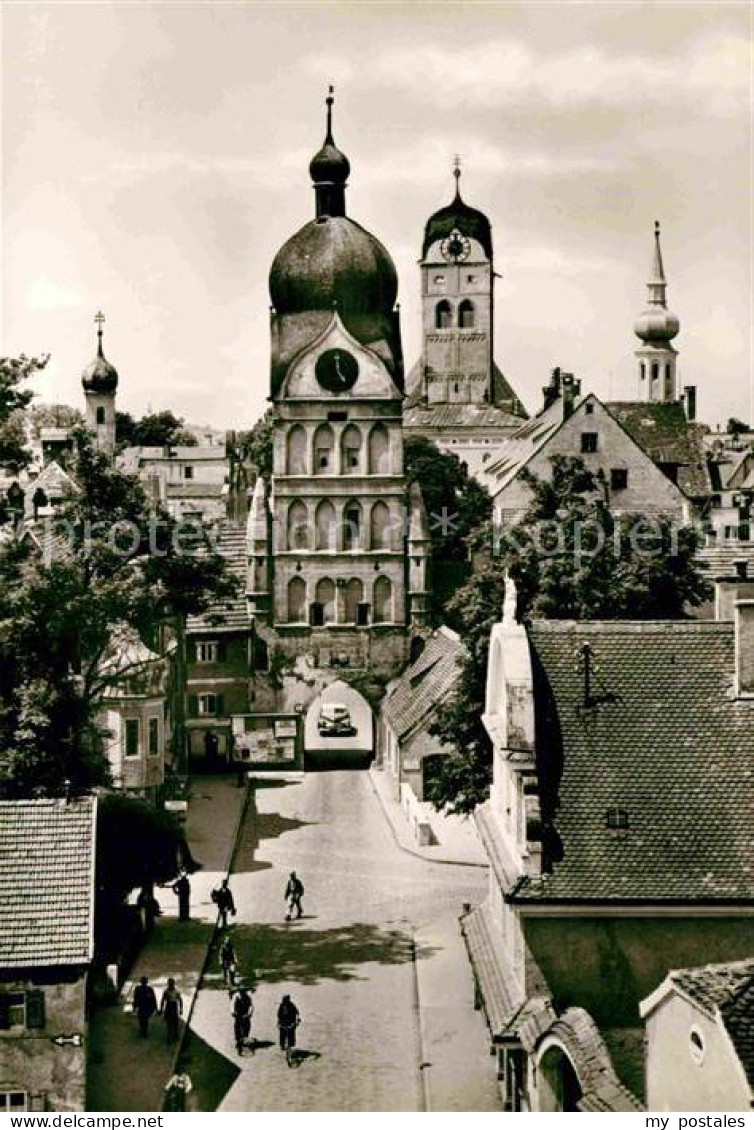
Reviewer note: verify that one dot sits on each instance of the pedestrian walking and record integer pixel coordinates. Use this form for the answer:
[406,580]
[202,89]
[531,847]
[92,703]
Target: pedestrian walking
[243,1010]
[144,1005]
[222,896]
[228,960]
[289,1019]
[182,888]
[171,1007]
[294,892]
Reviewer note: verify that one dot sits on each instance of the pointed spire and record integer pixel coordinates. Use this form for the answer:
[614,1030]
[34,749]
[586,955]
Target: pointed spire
[457,175]
[656,287]
[329,103]
[329,170]
[99,318]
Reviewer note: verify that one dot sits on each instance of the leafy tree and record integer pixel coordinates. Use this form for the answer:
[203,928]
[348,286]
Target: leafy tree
[736,427]
[14,398]
[157,429]
[115,562]
[53,416]
[256,446]
[456,504]
[571,557]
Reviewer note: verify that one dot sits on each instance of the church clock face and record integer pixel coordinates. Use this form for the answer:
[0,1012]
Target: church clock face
[336,370]
[456,247]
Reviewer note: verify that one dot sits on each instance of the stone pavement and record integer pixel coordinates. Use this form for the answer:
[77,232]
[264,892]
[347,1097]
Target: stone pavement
[379,940]
[126,1073]
[457,837]
[458,1075]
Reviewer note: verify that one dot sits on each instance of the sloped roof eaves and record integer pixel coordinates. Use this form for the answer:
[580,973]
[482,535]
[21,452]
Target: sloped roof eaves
[675,750]
[234,616]
[47,858]
[408,707]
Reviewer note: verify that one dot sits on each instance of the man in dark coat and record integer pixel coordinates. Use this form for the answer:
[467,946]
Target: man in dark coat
[222,897]
[182,888]
[145,1005]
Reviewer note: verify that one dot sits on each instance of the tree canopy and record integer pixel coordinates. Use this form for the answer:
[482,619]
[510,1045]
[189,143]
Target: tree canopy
[156,429]
[14,398]
[456,504]
[571,557]
[109,561]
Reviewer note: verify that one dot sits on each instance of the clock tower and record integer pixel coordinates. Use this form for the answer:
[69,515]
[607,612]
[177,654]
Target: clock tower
[344,526]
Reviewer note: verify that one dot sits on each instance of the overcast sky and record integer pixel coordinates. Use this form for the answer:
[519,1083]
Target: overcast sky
[155,157]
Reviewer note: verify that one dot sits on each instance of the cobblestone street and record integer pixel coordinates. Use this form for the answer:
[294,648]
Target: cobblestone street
[349,964]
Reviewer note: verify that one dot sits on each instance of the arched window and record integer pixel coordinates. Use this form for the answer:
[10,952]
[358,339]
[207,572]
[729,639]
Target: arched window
[655,371]
[443,315]
[379,526]
[298,526]
[100,415]
[350,450]
[379,450]
[324,444]
[353,597]
[351,525]
[324,533]
[466,315]
[39,500]
[296,600]
[642,370]
[383,601]
[325,594]
[295,463]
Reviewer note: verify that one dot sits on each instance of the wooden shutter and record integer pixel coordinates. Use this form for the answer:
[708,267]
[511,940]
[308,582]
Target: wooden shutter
[220,702]
[35,1008]
[4,1011]
[222,651]
[193,706]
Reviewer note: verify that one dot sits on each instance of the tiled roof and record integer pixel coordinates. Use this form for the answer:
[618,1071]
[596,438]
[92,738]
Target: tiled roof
[519,447]
[233,616]
[728,989]
[46,881]
[424,685]
[500,999]
[673,749]
[719,561]
[663,431]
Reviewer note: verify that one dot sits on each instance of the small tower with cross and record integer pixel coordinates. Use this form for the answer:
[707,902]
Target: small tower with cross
[100,383]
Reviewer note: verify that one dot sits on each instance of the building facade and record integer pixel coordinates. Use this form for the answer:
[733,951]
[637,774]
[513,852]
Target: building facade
[458,397]
[46,947]
[614,743]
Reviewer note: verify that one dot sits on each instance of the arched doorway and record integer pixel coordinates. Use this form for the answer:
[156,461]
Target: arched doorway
[339,729]
[559,1087]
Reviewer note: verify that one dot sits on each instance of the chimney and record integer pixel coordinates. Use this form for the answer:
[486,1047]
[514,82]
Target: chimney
[745,647]
[551,392]
[569,389]
[689,402]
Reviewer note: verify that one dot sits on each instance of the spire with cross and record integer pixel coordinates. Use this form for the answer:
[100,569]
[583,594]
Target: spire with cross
[99,318]
[457,173]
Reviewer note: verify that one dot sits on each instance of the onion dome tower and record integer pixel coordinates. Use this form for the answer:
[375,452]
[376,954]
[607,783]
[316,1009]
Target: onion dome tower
[100,383]
[333,264]
[656,327]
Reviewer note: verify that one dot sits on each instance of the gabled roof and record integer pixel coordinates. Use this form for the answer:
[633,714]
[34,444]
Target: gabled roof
[674,749]
[522,445]
[663,431]
[725,990]
[234,616]
[47,854]
[55,481]
[424,685]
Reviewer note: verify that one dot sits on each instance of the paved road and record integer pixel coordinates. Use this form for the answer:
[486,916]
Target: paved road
[348,963]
